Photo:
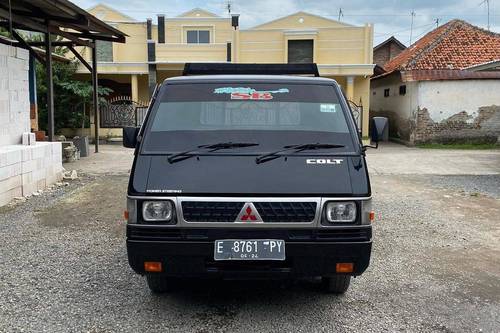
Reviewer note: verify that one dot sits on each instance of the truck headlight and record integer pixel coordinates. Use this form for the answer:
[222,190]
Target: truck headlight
[157,210]
[341,212]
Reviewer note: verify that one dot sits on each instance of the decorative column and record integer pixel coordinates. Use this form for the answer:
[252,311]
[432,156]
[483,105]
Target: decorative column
[350,88]
[134,85]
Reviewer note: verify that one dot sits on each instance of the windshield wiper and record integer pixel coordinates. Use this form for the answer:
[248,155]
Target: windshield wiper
[211,148]
[297,148]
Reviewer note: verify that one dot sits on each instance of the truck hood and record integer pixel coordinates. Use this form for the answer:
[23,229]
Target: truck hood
[224,175]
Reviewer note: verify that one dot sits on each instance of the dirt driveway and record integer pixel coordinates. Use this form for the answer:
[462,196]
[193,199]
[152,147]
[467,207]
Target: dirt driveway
[435,264]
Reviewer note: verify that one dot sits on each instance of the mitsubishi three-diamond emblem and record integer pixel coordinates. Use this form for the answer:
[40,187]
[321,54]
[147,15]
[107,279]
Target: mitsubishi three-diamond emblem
[249,214]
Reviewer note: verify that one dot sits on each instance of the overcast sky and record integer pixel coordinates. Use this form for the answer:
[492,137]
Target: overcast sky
[391,17]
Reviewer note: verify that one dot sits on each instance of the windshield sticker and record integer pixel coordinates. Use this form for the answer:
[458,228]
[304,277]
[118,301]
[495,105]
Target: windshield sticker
[242,93]
[328,108]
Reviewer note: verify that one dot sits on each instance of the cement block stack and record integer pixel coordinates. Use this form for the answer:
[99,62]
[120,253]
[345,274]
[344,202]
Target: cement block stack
[29,167]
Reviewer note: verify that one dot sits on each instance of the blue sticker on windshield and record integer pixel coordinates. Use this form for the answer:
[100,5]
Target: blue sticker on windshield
[247,93]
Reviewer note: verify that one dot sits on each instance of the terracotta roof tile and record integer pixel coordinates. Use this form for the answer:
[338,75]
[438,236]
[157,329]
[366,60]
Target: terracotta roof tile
[454,45]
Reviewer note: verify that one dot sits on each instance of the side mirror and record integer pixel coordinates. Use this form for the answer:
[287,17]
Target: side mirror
[130,136]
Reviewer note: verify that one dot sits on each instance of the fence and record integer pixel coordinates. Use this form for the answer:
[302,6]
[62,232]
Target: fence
[122,112]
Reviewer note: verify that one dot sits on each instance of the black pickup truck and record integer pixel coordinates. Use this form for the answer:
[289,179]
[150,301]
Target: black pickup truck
[243,176]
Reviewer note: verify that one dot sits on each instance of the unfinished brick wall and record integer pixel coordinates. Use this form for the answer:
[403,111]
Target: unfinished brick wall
[386,53]
[459,128]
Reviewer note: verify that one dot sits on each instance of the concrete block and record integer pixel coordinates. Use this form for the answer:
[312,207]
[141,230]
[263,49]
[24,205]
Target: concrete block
[25,139]
[4,49]
[29,166]
[10,155]
[26,154]
[41,184]
[38,151]
[10,171]
[38,174]
[22,54]
[6,197]
[29,188]
[27,178]
[10,183]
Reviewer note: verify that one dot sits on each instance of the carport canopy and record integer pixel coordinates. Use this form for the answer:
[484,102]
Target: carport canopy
[62,18]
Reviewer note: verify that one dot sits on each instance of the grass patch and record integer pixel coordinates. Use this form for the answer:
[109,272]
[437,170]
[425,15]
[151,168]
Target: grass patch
[465,146]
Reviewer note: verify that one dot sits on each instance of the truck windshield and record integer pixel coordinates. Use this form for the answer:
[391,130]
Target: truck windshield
[270,114]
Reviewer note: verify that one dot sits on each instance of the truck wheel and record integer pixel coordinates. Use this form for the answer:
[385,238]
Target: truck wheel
[158,283]
[337,284]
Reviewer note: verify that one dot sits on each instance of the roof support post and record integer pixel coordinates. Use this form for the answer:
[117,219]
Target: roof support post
[95,97]
[50,86]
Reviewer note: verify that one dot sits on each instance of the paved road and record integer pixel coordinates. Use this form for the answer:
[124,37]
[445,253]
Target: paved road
[435,268]
[389,159]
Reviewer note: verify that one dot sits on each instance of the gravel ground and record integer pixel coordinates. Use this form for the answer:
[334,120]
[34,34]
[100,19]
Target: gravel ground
[435,268]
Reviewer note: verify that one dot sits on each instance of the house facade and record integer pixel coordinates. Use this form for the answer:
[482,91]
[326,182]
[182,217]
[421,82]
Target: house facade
[154,52]
[444,88]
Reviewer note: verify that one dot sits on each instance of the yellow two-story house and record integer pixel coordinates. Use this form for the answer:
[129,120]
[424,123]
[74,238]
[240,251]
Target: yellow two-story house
[156,51]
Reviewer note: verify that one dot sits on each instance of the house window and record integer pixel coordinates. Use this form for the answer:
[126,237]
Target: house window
[300,51]
[104,50]
[402,90]
[387,92]
[198,37]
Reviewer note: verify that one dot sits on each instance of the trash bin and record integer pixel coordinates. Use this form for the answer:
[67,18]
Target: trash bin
[82,143]
[377,121]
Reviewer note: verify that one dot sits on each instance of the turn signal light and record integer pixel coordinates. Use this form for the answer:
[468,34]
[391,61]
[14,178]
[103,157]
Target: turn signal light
[152,266]
[125,215]
[345,267]
[372,216]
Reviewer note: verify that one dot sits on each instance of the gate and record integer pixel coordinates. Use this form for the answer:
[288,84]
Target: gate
[357,113]
[122,112]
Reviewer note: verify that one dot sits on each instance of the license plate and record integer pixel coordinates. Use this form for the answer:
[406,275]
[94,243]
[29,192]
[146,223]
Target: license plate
[249,249]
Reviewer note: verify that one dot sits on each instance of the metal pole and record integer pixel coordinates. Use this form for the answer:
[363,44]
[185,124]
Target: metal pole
[411,27]
[95,97]
[50,86]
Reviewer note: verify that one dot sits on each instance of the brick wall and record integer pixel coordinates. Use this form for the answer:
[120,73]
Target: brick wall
[460,128]
[458,111]
[385,53]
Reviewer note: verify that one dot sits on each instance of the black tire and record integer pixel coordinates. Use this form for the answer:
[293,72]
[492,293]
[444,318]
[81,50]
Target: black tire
[337,284]
[158,284]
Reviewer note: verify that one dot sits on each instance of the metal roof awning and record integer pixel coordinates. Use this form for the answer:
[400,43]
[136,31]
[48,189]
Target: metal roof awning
[60,17]
[76,26]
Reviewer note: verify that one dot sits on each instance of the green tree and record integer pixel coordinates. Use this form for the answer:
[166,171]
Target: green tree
[71,97]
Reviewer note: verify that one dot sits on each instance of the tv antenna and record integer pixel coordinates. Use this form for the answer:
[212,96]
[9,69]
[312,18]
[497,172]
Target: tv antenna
[411,26]
[487,2]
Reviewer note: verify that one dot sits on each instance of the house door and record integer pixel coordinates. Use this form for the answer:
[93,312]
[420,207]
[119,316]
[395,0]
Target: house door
[300,51]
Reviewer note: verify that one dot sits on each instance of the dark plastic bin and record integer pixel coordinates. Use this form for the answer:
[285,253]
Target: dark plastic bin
[82,143]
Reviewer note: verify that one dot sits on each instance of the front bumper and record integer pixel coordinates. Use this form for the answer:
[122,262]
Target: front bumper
[189,252]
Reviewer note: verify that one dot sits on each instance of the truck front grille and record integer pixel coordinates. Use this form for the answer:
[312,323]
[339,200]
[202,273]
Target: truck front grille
[286,211]
[220,211]
[210,211]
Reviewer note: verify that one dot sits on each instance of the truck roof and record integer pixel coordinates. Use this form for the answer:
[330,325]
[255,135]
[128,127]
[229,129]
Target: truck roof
[249,78]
